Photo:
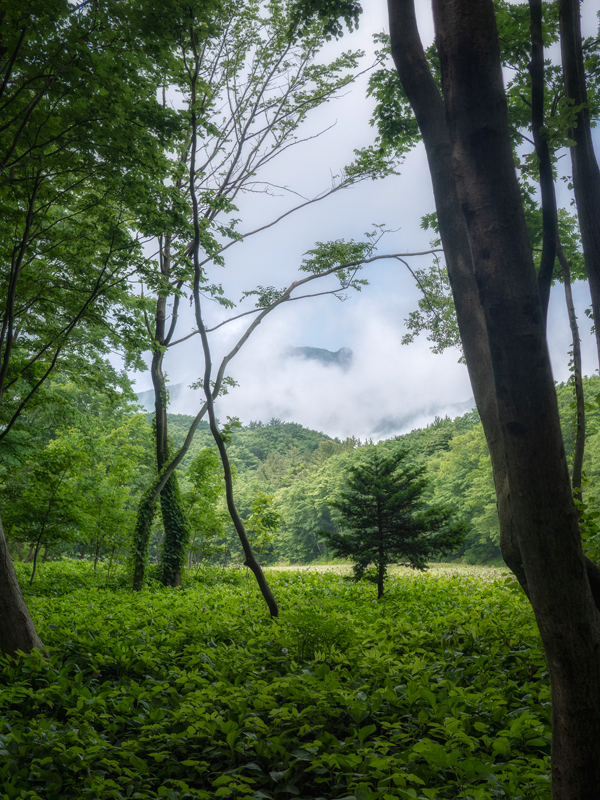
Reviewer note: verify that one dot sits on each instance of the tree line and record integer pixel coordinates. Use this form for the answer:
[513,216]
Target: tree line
[72,485]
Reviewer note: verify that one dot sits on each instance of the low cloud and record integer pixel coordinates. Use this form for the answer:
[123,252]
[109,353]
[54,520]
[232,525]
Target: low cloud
[385,388]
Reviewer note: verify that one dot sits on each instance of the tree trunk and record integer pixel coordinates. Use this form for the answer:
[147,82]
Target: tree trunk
[35,555]
[427,104]
[174,520]
[176,532]
[145,515]
[250,561]
[549,214]
[586,175]
[538,478]
[579,448]
[17,631]
[380,575]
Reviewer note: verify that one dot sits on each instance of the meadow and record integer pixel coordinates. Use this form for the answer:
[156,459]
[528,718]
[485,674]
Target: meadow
[438,690]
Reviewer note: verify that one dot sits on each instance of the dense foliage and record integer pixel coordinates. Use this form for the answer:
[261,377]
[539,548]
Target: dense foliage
[438,690]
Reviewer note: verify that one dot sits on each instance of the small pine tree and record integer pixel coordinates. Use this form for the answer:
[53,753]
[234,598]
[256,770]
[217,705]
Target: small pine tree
[385,520]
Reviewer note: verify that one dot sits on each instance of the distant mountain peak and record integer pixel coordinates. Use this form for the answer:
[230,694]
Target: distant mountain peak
[340,358]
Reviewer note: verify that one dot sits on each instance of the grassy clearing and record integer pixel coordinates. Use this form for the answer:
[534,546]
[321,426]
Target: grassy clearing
[439,690]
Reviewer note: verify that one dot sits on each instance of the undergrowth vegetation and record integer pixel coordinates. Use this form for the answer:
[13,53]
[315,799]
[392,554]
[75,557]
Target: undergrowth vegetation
[438,690]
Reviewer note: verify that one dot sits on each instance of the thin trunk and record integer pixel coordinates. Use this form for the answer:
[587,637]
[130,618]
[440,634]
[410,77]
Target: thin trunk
[174,522]
[35,555]
[17,631]
[538,477]
[551,246]
[110,561]
[380,567]
[586,175]
[97,552]
[549,216]
[577,378]
[250,561]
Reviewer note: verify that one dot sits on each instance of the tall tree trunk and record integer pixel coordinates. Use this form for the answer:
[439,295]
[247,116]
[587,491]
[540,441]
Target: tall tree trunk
[538,478]
[17,631]
[174,520]
[176,532]
[141,536]
[586,175]
[549,214]
[428,106]
[579,449]
[250,561]
[424,97]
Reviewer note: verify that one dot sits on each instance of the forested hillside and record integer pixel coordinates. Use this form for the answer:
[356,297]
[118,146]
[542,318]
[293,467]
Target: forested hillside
[64,491]
[304,470]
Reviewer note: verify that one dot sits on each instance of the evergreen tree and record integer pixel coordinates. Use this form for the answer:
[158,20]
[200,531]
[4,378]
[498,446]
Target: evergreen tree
[385,520]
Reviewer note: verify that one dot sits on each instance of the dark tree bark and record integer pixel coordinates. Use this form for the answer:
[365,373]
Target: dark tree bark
[551,246]
[17,631]
[586,175]
[546,519]
[380,567]
[549,215]
[428,106]
[35,555]
[579,450]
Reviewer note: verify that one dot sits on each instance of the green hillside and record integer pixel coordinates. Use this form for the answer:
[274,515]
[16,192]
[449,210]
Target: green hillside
[304,470]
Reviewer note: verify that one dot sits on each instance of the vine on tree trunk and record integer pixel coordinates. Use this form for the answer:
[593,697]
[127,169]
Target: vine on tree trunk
[177,532]
[141,537]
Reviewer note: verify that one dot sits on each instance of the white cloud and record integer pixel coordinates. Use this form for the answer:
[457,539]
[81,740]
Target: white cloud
[405,386]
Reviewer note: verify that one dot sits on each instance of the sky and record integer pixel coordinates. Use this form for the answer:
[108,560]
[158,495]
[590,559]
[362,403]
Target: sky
[390,388]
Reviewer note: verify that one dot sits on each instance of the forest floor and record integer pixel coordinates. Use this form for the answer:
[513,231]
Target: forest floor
[438,691]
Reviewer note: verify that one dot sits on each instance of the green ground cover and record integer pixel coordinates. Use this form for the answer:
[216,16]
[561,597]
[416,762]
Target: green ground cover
[438,690]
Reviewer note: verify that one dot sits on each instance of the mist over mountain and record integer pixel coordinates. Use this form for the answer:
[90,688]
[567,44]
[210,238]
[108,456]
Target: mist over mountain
[390,426]
[180,395]
[341,358]
[183,400]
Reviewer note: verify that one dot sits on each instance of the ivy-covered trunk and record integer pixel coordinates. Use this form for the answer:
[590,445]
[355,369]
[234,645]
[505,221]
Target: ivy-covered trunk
[174,521]
[173,517]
